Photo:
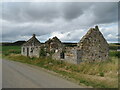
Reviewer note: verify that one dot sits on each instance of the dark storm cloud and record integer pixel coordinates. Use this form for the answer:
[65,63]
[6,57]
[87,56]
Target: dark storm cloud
[28,12]
[26,18]
[73,10]
[106,12]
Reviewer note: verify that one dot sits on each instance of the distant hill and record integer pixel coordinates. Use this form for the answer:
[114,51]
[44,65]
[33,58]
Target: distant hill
[17,43]
[114,46]
[114,43]
[69,44]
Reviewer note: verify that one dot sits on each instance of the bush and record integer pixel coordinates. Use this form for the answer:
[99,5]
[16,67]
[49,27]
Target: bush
[114,54]
[113,47]
[6,54]
[101,74]
[42,52]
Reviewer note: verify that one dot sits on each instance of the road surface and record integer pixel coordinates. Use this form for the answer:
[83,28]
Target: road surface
[19,75]
[0,73]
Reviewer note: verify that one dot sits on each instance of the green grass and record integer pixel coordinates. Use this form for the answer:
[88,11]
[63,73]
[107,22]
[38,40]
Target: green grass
[113,53]
[0,48]
[113,46]
[6,50]
[0,52]
[96,74]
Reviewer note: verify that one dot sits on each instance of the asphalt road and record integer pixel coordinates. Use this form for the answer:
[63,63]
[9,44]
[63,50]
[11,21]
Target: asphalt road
[19,75]
[0,73]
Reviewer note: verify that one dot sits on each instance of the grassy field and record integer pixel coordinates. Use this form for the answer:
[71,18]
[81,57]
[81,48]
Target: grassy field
[98,75]
[6,50]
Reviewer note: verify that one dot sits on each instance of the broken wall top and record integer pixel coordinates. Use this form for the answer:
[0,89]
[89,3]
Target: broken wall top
[32,42]
[92,36]
[53,40]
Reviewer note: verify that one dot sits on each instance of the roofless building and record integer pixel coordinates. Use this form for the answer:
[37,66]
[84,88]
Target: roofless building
[31,48]
[92,47]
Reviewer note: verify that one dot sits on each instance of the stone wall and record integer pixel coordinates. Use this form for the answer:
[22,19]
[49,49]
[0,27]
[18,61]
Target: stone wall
[93,46]
[71,55]
[31,51]
[53,44]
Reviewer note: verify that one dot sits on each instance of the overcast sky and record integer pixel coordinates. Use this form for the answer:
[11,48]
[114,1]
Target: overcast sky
[68,21]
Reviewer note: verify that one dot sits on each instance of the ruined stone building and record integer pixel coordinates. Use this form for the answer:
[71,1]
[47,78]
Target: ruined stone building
[31,48]
[53,45]
[92,47]
[70,54]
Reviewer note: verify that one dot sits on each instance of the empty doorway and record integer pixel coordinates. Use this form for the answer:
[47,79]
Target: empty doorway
[62,55]
[27,51]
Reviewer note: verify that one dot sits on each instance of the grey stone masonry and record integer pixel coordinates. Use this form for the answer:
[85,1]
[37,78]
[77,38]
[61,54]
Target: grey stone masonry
[53,44]
[93,46]
[31,48]
[71,55]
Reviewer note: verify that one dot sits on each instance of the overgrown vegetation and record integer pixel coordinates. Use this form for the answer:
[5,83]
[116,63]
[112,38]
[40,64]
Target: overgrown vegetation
[113,53]
[114,46]
[42,52]
[97,74]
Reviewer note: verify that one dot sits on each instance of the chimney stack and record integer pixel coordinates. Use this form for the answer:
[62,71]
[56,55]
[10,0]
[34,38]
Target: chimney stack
[96,27]
[33,35]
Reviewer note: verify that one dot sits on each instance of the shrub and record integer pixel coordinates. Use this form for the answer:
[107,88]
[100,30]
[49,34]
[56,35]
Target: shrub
[101,74]
[113,47]
[6,54]
[42,52]
[114,53]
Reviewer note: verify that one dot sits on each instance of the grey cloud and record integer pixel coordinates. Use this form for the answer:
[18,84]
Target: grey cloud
[106,12]
[11,30]
[30,12]
[47,12]
[45,18]
[73,10]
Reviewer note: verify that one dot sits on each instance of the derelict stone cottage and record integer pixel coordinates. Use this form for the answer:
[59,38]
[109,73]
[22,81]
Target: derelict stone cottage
[31,48]
[54,44]
[92,47]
